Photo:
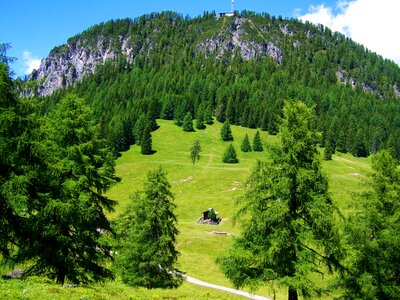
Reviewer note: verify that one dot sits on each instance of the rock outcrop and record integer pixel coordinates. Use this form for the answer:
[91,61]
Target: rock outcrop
[71,62]
[233,40]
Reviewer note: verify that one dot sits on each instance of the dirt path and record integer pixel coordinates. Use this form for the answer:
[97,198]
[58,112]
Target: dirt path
[229,290]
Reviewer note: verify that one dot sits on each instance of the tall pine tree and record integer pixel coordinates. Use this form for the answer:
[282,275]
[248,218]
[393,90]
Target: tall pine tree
[147,255]
[288,221]
[66,215]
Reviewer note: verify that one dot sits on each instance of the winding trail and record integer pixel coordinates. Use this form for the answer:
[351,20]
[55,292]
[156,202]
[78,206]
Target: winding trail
[222,288]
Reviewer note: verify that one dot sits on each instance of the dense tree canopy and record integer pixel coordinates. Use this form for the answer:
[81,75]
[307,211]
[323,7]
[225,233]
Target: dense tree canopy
[174,78]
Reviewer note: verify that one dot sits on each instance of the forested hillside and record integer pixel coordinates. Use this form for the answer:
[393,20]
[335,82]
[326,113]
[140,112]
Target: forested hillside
[239,68]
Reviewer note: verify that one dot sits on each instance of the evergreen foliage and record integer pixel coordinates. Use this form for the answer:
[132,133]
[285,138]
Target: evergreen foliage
[147,143]
[287,216]
[230,156]
[139,127]
[17,127]
[373,261]
[169,66]
[147,254]
[257,144]
[226,132]
[195,151]
[245,146]
[64,219]
[187,124]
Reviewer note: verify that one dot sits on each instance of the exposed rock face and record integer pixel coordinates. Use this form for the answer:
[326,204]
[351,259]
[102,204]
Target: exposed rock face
[74,60]
[77,58]
[249,49]
[344,79]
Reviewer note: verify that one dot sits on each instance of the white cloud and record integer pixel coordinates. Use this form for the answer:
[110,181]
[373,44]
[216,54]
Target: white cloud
[371,23]
[30,62]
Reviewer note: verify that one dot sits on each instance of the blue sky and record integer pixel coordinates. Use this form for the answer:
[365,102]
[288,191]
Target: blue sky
[34,27]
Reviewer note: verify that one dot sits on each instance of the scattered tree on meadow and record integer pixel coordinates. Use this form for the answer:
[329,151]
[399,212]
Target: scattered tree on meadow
[146,144]
[226,132]
[288,222]
[187,124]
[373,262]
[257,144]
[230,156]
[195,151]
[245,146]
[147,255]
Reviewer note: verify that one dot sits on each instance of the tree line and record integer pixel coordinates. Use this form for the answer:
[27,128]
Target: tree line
[174,81]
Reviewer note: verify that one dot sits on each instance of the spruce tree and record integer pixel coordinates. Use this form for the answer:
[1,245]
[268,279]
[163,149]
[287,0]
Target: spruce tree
[139,127]
[257,144]
[146,144]
[147,255]
[187,124]
[230,155]
[65,216]
[372,235]
[226,133]
[18,163]
[288,222]
[208,115]
[245,146]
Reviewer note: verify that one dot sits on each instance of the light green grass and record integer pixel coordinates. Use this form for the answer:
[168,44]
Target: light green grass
[209,183]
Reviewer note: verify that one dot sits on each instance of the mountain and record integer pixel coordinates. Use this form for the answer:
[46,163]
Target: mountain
[240,68]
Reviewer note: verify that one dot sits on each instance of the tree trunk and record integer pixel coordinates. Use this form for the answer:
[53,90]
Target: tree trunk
[61,277]
[292,294]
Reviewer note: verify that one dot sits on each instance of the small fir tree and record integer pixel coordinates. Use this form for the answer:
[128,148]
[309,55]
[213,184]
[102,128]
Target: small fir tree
[245,146]
[208,116]
[195,151]
[138,129]
[147,234]
[230,155]
[257,144]
[226,132]
[187,124]
[146,143]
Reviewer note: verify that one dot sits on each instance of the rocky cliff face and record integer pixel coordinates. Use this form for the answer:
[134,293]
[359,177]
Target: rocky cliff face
[73,61]
[77,58]
[233,40]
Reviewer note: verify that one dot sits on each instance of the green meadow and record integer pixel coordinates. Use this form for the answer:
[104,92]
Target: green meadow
[208,183]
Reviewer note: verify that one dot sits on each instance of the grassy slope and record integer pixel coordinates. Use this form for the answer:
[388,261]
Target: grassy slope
[209,183]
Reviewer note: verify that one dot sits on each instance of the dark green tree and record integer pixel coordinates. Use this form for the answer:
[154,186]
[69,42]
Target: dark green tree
[17,160]
[328,151]
[195,151]
[257,144]
[208,115]
[287,216]
[373,263]
[147,255]
[139,127]
[230,156]
[245,146]
[65,216]
[187,124]
[226,132]
[147,142]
